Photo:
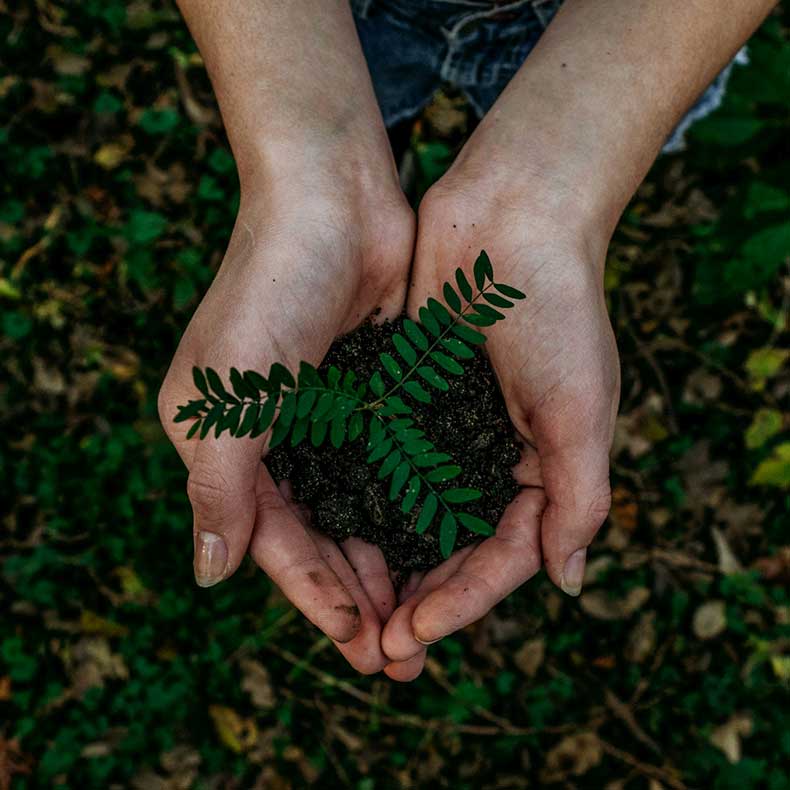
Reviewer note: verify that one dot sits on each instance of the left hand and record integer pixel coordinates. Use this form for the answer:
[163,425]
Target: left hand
[556,361]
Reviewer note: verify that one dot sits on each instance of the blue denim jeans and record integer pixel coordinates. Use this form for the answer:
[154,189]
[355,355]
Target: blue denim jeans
[414,46]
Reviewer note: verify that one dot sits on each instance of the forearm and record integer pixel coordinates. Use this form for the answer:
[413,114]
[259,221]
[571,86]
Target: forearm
[589,110]
[291,81]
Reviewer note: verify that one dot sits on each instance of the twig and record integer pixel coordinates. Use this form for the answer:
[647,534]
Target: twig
[394,717]
[651,360]
[646,769]
[626,715]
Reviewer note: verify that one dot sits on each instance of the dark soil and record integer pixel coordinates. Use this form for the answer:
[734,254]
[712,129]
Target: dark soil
[469,422]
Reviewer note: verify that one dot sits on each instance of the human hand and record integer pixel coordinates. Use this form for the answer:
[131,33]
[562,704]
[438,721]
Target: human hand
[312,254]
[556,361]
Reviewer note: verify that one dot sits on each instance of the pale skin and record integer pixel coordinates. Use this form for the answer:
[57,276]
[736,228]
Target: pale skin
[324,236]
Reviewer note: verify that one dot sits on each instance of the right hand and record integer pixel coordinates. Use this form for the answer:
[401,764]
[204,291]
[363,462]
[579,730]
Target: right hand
[314,252]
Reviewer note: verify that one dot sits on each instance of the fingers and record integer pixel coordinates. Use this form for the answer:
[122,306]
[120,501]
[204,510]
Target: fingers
[492,571]
[284,550]
[527,471]
[405,671]
[397,640]
[363,652]
[576,482]
[370,567]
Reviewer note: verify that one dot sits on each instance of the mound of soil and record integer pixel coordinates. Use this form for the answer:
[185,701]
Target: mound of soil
[469,422]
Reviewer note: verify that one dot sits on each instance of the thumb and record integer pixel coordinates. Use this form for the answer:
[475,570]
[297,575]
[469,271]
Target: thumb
[221,490]
[221,486]
[576,481]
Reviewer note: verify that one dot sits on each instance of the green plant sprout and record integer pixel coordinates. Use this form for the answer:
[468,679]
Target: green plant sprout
[342,408]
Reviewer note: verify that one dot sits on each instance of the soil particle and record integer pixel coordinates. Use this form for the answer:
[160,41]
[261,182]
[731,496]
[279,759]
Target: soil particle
[469,422]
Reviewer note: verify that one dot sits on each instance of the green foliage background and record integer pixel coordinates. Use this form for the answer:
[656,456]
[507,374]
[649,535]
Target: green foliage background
[116,671]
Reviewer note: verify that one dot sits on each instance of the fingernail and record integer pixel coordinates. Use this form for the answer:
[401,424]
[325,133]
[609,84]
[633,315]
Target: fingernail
[432,642]
[211,557]
[573,573]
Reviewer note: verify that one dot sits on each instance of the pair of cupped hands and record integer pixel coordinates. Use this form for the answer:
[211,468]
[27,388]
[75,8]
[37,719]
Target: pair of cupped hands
[323,238]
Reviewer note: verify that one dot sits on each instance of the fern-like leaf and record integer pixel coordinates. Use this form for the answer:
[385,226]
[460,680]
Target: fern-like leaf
[304,406]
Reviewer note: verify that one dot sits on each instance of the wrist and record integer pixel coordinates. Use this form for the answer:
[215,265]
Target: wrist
[551,186]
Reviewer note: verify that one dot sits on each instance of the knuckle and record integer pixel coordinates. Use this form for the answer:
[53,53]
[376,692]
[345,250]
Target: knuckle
[599,505]
[208,490]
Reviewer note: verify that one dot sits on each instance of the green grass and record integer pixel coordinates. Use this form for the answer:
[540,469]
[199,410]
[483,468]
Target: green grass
[114,211]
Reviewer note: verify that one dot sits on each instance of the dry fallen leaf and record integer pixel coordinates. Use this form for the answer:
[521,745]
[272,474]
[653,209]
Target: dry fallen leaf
[257,683]
[728,736]
[529,656]
[710,620]
[574,755]
[642,639]
[90,661]
[728,562]
[237,733]
[110,155]
[601,605]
